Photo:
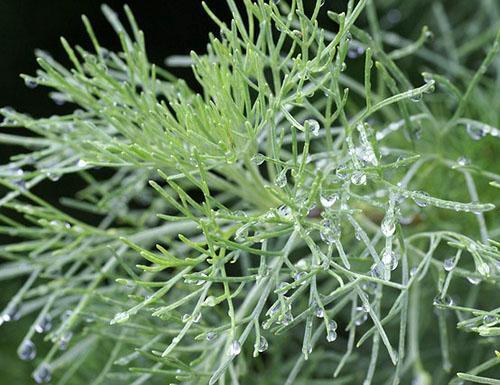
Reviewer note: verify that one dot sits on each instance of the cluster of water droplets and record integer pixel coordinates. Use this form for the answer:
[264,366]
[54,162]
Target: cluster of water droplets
[331,331]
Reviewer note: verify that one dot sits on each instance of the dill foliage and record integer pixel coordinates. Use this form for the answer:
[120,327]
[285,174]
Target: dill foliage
[320,209]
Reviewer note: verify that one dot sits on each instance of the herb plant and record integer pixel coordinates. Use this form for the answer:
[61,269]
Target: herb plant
[319,213]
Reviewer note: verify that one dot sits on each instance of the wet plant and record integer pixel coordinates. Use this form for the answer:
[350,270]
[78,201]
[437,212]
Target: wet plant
[323,208]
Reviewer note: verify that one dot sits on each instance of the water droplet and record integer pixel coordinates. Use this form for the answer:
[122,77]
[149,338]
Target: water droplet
[313,125]
[120,318]
[416,98]
[287,318]
[419,201]
[42,374]
[330,232]
[490,320]
[358,178]
[355,52]
[390,259]
[463,161]
[263,345]
[27,351]
[476,132]
[341,172]
[241,234]
[413,271]
[331,335]
[299,276]
[284,211]
[281,180]
[343,67]
[81,163]
[443,300]
[258,159]
[449,264]
[360,317]
[329,200]
[196,317]
[210,301]
[58,98]
[30,82]
[319,312]
[11,314]
[53,176]
[483,269]
[185,318]
[474,280]
[44,325]
[211,336]
[380,271]
[235,348]
[388,225]
[67,313]
[64,340]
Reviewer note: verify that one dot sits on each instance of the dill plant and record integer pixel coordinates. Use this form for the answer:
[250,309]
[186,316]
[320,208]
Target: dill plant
[295,222]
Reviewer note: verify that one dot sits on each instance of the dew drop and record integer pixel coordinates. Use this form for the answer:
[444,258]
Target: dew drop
[355,52]
[319,312]
[53,176]
[419,201]
[81,163]
[490,320]
[64,340]
[11,314]
[120,318]
[209,301]
[44,325]
[483,269]
[390,259]
[360,317]
[235,348]
[299,276]
[475,132]
[416,98]
[27,351]
[211,336]
[196,317]
[413,271]
[313,125]
[380,271]
[263,345]
[388,225]
[281,180]
[358,178]
[443,300]
[284,211]
[329,200]
[258,159]
[42,374]
[287,318]
[329,232]
[341,172]
[463,161]
[331,336]
[30,82]
[449,264]
[474,280]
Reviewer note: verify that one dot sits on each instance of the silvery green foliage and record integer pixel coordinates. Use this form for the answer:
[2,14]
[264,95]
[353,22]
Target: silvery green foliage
[293,222]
